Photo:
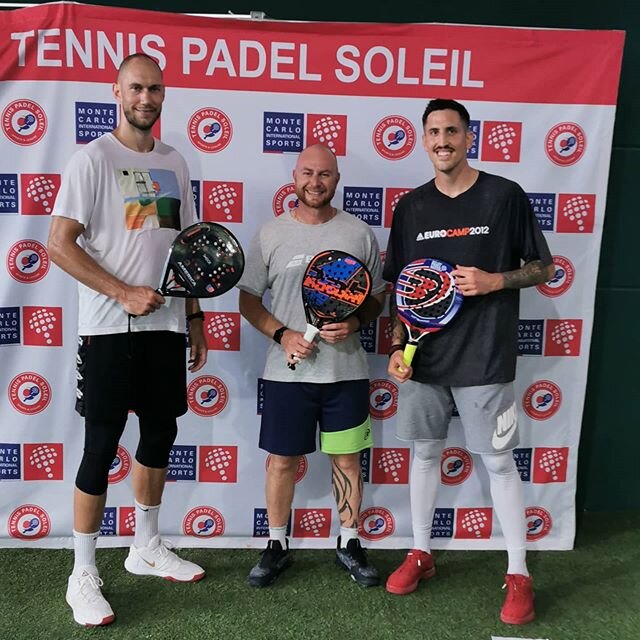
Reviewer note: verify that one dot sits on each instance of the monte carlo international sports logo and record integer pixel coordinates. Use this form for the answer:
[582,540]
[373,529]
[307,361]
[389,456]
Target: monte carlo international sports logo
[27,261]
[24,122]
[394,137]
[210,130]
[292,132]
[565,143]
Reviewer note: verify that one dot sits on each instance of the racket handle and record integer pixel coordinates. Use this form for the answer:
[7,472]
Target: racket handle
[409,352]
[311,333]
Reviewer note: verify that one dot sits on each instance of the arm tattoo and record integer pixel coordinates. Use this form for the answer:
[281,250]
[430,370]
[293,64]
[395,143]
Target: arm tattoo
[344,495]
[528,275]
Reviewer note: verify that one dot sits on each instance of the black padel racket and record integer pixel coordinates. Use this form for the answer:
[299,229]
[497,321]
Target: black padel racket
[427,299]
[204,261]
[334,286]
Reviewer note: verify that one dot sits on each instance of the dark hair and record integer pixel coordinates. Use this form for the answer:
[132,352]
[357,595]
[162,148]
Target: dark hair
[439,104]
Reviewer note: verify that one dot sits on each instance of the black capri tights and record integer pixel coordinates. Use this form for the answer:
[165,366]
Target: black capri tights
[157,435]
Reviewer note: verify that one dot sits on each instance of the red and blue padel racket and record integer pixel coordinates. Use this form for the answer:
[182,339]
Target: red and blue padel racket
[427,299]
[205,260]
[335,284]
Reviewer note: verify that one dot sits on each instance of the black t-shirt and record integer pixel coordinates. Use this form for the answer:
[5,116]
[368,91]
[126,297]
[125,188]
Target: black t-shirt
[490,226]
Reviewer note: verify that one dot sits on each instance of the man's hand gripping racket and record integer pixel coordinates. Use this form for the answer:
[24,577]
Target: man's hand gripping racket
[427,299]
[334,286]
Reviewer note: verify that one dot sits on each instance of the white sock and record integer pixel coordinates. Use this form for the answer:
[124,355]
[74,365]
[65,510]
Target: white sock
[84,556]
[508,502]
[279,534]
[146,524]
[346,534]
[423,488]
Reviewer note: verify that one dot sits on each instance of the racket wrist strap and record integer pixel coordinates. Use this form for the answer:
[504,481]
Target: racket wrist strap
[277,334]
[198,315]
[395,347]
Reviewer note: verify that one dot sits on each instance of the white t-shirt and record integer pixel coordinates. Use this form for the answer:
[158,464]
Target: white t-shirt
[132,206]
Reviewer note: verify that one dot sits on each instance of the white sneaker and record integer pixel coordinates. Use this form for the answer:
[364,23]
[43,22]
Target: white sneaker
[89,606]
[156,559]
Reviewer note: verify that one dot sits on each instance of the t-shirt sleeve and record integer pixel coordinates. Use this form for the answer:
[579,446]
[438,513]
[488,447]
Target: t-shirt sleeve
[255,277]
[394,253]
[532,243]
[77,194]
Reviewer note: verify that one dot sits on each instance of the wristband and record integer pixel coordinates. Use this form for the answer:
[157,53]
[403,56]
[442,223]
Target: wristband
[394,348]
[277,334]
[198,315]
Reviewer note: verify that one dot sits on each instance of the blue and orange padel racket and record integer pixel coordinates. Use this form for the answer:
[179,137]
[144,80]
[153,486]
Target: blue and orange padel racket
[427,299]
[335,284]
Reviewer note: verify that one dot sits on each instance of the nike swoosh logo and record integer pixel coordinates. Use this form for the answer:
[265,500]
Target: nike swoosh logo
[505,428]
[151,564]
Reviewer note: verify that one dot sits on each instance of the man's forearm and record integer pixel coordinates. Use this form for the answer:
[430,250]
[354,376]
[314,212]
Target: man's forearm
[529,275]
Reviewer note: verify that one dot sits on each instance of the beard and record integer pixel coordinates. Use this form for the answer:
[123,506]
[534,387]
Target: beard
[135,120]
[316,203]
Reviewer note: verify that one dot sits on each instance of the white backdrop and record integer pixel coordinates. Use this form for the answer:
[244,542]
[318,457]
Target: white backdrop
[243,98]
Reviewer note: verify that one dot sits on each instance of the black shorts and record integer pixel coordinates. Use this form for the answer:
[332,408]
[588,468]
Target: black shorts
[143,371]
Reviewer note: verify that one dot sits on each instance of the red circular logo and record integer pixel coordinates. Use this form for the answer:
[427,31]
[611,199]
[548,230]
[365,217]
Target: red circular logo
[29,393]
[563,277]
[539,523]
[203,522]
[24,122]
[207,396]
[27,261]
[285,199]
[394,137]
[456,465]
[565,143]
[120,466]
[383,399]
[542,400]
[210,130]
[301,470]
[376,523]
[29,522]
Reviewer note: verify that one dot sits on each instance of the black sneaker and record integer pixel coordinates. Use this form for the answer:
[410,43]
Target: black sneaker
[273,561]
[353,559]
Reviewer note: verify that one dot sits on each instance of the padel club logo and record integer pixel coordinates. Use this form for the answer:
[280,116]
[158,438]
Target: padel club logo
[218,464]
[285,199]
[222,330]
[29,522]
[222,201]
[43,461]
[42,326]
[563,277]
[24,122]
[29,393]
[291,132]
[301,469]
[27,261]
[575,211]
[390,465]
[474,523]
[542,400]
[550,464]
[539,523]
[394,137]
[565,143]
[203,522]
[549,337]
[119,521]
[376,523]
[456,465]
[38,192]
[385,335]
[311,523]
[501,141]
[210,130]
[207,396]
[373,205]
[383,399]
[392,196]
[120,467]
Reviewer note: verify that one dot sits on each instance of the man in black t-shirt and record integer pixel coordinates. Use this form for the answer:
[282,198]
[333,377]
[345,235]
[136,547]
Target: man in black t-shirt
[484,226]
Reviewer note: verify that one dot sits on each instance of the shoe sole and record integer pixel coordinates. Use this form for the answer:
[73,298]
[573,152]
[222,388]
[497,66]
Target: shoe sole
[267,580]
[370,582]
[156,574]
[524,620]
[403,591]
[103,623]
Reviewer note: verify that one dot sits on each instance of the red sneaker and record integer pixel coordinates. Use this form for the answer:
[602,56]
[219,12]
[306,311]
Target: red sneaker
[518,605]
[418,565]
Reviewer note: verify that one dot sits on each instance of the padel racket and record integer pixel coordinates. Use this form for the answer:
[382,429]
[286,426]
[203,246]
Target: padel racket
[204,261]
[427,299]
[334,286]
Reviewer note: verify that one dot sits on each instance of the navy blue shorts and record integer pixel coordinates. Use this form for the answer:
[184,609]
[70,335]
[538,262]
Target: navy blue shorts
[292,412]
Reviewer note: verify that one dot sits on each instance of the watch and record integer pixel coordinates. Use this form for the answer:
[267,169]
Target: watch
[277,334]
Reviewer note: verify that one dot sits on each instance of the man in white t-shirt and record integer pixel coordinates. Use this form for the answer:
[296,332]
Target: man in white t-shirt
[124,198]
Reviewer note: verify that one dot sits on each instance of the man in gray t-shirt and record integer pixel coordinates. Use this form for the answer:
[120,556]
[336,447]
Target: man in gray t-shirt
[330,384]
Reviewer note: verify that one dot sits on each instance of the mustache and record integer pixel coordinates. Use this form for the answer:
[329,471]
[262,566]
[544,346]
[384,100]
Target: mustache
[444,149]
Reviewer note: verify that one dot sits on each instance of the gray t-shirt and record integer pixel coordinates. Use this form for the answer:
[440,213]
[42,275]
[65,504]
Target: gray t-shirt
[277,260]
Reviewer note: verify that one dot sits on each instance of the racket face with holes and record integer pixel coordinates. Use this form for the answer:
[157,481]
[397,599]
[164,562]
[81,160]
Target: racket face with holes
[205,260]
[335,284]
[426,297]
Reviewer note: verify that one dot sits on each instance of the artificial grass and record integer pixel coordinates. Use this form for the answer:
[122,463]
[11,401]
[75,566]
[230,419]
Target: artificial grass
[591,593]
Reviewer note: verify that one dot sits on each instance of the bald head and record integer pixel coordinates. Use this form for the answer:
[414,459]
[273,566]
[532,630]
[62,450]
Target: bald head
[138,60]
[317,155]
